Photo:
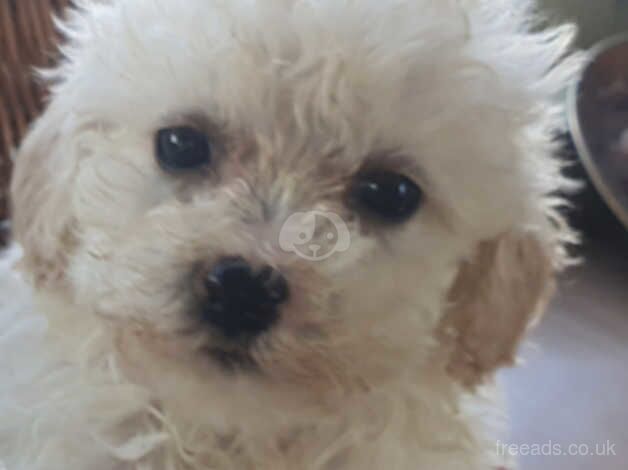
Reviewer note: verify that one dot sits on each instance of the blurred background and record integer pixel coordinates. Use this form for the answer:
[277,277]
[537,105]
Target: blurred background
[568,395]
[567,400]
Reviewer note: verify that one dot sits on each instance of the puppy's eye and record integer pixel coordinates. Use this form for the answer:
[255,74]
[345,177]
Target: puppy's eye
[389,196]
[182,148]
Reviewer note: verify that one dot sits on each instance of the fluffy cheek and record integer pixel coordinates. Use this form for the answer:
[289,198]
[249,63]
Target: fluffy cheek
[116,181]
[119,268]
[147,272]
[379,320]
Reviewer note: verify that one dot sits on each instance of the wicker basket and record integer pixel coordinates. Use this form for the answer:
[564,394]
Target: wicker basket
[27,36]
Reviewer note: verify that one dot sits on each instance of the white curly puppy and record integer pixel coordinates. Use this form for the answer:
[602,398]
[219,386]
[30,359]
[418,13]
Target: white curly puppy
[163,319]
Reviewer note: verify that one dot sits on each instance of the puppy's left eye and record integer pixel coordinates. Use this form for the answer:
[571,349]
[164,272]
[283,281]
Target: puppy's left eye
[391,197]
[182,148]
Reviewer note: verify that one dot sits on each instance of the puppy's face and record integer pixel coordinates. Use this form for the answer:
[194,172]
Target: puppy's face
[304,194]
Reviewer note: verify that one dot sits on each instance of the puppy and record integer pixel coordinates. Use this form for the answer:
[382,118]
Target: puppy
[280,235]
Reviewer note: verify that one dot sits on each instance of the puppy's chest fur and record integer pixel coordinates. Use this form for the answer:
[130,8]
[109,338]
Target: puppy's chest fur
[71,406]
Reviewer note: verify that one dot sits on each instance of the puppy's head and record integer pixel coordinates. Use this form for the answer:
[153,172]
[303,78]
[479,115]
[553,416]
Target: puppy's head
[320,195]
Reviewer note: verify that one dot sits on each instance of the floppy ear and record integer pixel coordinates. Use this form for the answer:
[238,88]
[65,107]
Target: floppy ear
[496,297]
[40,199]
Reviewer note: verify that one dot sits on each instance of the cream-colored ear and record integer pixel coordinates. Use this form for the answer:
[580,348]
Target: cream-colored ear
[496,297]
[40,199]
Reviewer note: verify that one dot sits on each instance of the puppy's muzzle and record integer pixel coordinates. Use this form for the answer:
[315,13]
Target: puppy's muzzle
[241,302]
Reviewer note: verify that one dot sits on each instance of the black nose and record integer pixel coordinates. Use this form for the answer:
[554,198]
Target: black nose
[240,301]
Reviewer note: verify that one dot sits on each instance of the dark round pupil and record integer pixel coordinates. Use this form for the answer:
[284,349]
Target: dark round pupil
[387,195]
[181,148]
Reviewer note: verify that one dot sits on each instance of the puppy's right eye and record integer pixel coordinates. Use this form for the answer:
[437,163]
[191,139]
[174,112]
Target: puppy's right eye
[389,196]
[182,148]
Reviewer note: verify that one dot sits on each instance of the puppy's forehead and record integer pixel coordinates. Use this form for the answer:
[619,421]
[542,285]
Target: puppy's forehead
[259,63]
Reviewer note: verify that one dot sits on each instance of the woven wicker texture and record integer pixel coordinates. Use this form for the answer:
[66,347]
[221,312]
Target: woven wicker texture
[27,36]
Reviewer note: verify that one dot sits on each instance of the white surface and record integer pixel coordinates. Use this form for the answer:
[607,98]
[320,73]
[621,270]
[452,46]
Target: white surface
[573,387]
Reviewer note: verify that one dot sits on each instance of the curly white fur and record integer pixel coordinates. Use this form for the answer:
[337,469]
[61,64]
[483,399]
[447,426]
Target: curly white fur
[383,357]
